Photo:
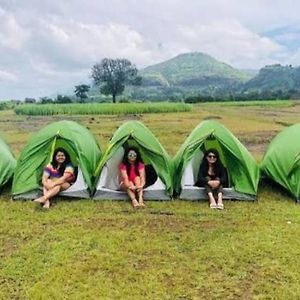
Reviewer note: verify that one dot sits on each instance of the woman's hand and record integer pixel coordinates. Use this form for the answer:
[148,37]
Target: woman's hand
[48,184]
[214,183]
[139,188]
[132,187]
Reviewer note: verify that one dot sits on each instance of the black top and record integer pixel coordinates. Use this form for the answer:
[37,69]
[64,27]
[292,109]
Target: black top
[219,174]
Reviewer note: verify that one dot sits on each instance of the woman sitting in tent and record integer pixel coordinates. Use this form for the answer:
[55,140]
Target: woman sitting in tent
[212,176]
[132,176]
[58,176]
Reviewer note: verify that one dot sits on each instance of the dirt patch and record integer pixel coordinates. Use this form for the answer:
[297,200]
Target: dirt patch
[130,117]
[212,118]
[286,124]
[258,141]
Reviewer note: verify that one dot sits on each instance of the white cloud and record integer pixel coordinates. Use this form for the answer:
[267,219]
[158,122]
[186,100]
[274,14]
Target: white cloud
[12,35]
[75,44]
[55,43]
[8,76]
[231,42]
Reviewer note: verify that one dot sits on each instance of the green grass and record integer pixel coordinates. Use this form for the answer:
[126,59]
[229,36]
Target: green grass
[100,109]
[258,103]
[171,250]
[89,249]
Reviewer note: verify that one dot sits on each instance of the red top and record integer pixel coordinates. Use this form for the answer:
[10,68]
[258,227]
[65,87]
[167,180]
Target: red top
[132,172]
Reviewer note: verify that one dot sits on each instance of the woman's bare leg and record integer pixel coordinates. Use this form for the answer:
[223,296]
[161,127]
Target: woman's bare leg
[47,194]
[220,201]
[62,187]
[212,201]
[140,192]
[130,193]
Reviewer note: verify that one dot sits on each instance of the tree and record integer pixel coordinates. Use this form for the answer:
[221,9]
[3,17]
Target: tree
[30,100]
[81,90]
[45,100]
[63,99]
[111,75]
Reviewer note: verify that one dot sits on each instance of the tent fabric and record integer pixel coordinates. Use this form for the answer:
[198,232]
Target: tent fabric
[76,140]
[281,161]
[242,169]
[7,163]
[152,152]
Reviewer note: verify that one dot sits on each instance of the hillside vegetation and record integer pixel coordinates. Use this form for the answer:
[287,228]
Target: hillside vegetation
[199,77]
[191,69]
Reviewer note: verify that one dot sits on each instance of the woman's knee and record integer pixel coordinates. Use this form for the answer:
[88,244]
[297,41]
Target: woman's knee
[64,186]
[137,180]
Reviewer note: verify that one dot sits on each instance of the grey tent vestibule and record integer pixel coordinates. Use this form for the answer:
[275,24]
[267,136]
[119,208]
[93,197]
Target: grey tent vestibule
[157,164]
[76,140]
[242,169]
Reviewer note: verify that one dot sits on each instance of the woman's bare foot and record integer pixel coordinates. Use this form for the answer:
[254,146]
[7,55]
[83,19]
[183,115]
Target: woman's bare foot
[47,204]
[41,200]
[141,203]
[134,203]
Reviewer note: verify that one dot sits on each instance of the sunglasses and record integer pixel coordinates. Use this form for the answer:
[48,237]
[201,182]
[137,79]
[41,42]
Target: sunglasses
[132,154]
[211,156]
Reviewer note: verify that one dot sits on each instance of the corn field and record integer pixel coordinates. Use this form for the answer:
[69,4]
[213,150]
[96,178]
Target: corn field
[98,108]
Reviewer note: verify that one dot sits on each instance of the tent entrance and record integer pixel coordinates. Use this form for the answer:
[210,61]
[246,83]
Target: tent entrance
[108,186]
[65,144]
[190,175]
[78,189]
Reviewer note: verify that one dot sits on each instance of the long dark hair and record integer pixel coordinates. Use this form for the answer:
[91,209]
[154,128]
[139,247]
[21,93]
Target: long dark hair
[217,166]
[62,167]
[137,161]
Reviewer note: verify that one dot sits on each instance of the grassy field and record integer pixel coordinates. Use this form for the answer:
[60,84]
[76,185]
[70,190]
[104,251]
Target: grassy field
[100,109]
[86,249]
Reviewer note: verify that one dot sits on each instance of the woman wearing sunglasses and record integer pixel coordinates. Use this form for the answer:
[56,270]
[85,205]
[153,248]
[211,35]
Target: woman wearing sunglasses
[132,176]
[212,176]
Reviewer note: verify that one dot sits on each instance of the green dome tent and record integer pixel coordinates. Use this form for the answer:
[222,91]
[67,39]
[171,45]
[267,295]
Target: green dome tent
[281,161]
[153,154]
[242,170]
[7,163]
[76,140]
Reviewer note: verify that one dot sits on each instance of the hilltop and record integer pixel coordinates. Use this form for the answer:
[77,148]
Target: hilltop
[191,69]
[187,74]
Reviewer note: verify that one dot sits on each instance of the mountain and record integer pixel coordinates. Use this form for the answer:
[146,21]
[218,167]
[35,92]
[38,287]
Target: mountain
[199,77]
[192,69]
[275,77]
[185,75]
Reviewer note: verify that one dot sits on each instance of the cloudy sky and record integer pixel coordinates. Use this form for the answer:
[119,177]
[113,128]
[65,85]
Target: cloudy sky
[49,46]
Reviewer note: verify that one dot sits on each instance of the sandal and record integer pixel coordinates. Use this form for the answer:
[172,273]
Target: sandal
[220,206]
[213,205]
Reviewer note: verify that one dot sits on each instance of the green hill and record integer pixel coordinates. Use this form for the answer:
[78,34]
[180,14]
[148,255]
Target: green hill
[187,75]
[275,77]
[192,69]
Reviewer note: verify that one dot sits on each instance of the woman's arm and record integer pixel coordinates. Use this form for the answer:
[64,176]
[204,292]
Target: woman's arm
[45,181]
[203,177]
[142,176]
[125,179]
[222,176]
[65,178]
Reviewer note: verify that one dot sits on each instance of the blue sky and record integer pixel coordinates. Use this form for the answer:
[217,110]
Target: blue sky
[48,47]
